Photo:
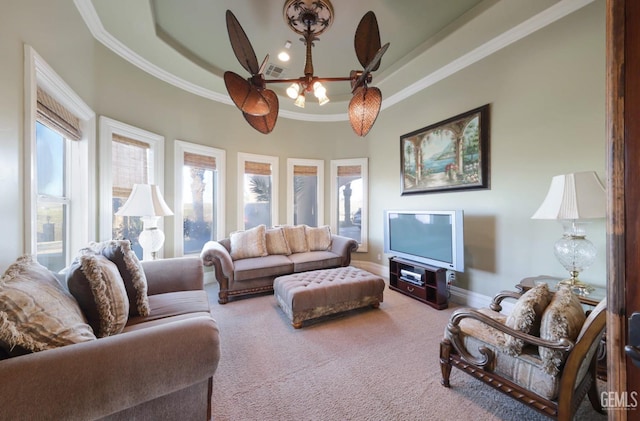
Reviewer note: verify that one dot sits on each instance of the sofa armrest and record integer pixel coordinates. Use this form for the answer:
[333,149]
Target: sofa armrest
[343,246]
[173,274]
[94,379]
[215,254]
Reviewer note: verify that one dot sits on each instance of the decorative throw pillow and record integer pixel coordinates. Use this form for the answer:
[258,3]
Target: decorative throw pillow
[130,268]
[526,315]
[277,242]
[36,313]
[318,238]
[97,285]
[296,238]
[249,243]
[563,318]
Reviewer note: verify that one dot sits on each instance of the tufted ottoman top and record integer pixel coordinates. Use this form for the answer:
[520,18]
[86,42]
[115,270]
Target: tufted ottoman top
[326,287]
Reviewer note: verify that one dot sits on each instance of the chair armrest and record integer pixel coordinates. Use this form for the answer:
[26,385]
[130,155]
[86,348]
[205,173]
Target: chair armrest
[93,379]
[496,302]
[173,274]
[343,246]
[453,327]
[215,254]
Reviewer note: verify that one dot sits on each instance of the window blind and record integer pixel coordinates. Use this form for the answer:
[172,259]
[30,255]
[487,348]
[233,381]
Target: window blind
[305,170]
[257,168]
[54,115]
[349,171]
[200,161]
[130,163]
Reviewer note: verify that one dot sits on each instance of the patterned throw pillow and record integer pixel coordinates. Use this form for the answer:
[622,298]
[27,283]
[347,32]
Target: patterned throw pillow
[296,238]
[563,318]
[526,315]
[36,313]
[249,243]
[277,242]
[319,238]
[97,285]
[130,268]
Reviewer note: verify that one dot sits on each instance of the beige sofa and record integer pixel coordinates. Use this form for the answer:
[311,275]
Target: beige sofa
[159,367]
[275,252]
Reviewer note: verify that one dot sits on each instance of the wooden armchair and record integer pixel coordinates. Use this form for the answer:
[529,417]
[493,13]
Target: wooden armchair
[477,342]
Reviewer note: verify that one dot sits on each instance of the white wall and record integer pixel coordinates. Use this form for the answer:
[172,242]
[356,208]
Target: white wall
[547,117]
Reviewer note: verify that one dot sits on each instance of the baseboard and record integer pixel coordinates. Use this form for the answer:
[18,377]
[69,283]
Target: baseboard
[209,277]
[472,299]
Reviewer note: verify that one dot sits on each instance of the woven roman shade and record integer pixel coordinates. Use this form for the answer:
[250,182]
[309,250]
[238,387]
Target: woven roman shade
[257,168]
[55,116]
[130,164]
[200,161]
[305,170]
[349,171]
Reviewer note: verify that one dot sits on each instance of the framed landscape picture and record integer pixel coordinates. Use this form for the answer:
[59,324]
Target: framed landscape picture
[450,155]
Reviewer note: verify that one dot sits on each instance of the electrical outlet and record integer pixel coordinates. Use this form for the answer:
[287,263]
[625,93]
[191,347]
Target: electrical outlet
[379,257]
[451,277]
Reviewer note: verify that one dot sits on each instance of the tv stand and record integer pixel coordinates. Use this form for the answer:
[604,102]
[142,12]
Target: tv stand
[425,283]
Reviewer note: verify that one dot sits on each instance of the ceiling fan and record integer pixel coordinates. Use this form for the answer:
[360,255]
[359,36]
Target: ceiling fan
[259,105]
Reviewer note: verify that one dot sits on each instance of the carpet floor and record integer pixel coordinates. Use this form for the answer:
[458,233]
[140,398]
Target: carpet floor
[369,364]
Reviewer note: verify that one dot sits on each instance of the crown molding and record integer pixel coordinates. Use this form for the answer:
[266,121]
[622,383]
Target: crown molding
[531,25]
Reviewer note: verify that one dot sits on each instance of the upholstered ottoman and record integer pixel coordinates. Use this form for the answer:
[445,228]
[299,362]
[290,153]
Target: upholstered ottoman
[308,295]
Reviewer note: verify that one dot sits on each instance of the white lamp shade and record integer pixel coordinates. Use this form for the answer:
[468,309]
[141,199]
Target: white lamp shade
[145,200]
[574,196]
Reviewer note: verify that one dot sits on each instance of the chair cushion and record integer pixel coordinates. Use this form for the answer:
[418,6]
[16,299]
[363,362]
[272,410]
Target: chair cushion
[296,238]
[36,313]
[525,369]
[277,242]
[563,318]
[97,285]
[318,238]
[249,243]
[130,268]
[526,315]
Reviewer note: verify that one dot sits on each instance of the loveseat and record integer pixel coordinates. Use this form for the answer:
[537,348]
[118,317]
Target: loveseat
[159,366]
[247,262]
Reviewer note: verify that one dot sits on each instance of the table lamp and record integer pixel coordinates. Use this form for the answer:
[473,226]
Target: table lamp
[574,199]
[147,202]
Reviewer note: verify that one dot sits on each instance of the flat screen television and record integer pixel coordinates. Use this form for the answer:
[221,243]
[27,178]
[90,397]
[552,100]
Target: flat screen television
[434,238]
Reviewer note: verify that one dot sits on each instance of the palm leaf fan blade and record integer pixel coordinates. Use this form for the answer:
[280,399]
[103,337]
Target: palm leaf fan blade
[364,108]
[265,124]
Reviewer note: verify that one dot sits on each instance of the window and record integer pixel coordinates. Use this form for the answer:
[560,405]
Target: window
[130,156]
[257,190]
[199,198]
[305,192]
[349,199]
[59,153]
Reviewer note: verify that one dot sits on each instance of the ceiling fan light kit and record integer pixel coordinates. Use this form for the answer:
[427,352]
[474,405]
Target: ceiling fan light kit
[308,18]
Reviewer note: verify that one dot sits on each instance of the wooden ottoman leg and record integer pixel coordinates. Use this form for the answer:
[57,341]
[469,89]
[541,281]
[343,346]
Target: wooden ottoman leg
[445,362]
[375,305]
[296,325]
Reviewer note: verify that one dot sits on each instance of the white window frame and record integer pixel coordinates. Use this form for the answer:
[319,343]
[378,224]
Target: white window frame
[81,156]
[319,164]
[273,160]
[220,156]
[364,223]
[109,127]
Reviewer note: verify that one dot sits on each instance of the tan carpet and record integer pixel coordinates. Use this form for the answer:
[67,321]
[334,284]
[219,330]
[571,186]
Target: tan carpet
[363,365]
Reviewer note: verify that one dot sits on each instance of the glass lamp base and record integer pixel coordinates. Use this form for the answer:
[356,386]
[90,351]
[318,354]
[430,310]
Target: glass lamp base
[576,284]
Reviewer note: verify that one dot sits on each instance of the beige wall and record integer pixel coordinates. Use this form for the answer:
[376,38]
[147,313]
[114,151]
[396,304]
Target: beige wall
[547,117]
